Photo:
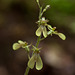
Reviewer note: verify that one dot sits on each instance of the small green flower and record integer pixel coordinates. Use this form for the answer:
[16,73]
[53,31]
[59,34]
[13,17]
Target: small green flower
[52,31]
[21,44]
[42,28]
[35,59]
[44,21]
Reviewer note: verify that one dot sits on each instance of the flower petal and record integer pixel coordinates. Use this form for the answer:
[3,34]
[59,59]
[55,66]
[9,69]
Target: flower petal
[39,63]
[45,32]
[20,42]
[62,36]
[31,62]
[16,46]
[38,31]
[49,27]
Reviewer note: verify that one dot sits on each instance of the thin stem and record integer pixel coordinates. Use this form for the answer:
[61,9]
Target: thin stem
[40,13]
[28,55]
[38,4]
[42,39]
[38,41]
[39,38]
[27,71]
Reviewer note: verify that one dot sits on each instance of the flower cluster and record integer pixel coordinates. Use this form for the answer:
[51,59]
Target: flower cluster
[47,29]
[35,56]
[44,29]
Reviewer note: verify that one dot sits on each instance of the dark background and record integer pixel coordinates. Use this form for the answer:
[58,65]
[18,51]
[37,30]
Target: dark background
[17,22]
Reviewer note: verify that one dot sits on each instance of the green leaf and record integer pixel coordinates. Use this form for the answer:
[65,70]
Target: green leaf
[62,36]
[31,62]
[45,32]
[39,63]
[16,46]
[38,31]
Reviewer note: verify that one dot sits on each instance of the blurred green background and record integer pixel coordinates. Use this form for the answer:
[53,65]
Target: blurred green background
[17,22]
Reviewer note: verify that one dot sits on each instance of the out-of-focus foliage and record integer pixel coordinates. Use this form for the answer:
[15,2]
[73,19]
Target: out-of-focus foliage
[62,13]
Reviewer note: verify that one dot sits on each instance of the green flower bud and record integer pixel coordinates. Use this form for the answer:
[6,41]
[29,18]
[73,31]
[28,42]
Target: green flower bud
[48,6]
[37,1]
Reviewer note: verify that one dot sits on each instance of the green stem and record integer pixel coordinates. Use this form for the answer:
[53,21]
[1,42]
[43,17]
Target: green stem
[38,41]
[39,38]
[40,13]
[27,71]
[28,56]
[42,39]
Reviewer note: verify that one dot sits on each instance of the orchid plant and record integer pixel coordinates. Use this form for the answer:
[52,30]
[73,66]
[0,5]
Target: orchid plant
[43,31]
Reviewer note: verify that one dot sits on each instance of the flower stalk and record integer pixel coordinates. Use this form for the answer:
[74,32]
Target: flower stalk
[43,31]
[27,71]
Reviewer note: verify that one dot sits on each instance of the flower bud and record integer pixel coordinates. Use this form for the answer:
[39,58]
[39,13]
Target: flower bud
[48,6]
